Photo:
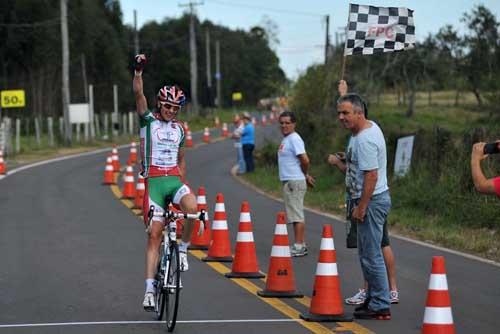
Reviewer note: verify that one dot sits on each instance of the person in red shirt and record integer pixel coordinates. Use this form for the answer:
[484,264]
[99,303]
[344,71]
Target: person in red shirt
[481,183]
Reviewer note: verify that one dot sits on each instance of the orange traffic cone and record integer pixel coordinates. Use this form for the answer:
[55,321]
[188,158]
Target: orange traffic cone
[109,175]
[189,139]
[206,136]
[225,132]
[217,122]
[203,241]
[140,189]
[220,247]
[437,317]
[280,280]
[116,159]
[132,158]
[186,126]
[245,259]
[3,169]
[129,184]
[326,302]
[264,120]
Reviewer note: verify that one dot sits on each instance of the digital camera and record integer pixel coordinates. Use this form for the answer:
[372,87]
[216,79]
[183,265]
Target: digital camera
[492,148]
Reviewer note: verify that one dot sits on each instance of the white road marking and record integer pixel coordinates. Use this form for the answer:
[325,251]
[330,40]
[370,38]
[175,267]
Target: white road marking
[44,162]
[94,323]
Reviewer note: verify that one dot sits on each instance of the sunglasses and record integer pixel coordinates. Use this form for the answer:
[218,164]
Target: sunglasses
[169,106]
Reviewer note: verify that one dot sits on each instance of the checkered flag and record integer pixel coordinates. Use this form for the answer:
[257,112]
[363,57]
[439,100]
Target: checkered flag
[379,29]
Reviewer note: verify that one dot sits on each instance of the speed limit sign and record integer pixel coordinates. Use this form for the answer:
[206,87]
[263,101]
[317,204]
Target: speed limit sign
[12,98]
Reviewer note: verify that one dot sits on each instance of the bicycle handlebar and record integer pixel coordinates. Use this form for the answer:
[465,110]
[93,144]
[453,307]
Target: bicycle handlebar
[172,214]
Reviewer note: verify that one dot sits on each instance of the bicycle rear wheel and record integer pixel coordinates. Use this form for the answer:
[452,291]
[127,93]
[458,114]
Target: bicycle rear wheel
[173,286]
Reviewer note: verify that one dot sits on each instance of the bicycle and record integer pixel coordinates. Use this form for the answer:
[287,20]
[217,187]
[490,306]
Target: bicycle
[168,274]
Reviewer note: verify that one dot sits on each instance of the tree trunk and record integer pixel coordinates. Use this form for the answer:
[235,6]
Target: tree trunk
[411,103]
[478,96]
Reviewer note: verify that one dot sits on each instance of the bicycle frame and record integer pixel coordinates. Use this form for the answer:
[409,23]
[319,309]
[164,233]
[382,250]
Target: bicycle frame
[169,282]
[169,237]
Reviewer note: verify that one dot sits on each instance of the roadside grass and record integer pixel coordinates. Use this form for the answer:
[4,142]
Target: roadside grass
[329,196]
[454,118]
[436,202]
[442,98]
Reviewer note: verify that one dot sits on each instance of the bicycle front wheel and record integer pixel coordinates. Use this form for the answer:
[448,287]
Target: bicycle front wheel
[173,286]
[160,289]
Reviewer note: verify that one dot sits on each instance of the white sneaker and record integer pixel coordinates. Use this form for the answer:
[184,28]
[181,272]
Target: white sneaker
[183,261]
[149,302]
[298,251]
[394,294]
[357,299]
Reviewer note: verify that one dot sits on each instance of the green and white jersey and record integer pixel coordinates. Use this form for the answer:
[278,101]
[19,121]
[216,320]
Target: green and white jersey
[160,144]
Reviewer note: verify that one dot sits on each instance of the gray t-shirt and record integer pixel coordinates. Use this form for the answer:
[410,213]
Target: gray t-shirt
[366,151]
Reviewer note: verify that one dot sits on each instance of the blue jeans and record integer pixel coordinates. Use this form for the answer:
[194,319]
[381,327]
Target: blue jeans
[370,253]
[241,160]
[248,156]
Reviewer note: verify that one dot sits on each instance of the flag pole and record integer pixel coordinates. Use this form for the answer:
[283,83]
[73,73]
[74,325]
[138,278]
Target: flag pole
[344,57]
[342,71]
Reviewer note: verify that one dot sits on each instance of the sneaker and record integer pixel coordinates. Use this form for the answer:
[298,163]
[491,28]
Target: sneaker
[394,296]
[367,313]
[149,302]
[298,251]
[357,299]
[184,261]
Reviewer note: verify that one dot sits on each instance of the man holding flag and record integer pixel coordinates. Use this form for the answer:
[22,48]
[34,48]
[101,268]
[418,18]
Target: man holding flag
[371,30]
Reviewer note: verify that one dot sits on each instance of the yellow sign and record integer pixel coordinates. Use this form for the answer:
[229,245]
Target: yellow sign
[237,96]
[13,98]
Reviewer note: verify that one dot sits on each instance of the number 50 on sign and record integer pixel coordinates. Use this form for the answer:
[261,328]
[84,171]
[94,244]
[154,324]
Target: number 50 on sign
[12,98]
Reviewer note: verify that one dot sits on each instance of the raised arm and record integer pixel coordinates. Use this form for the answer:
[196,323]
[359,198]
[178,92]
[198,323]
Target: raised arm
[140,99]
[342,87]
[481,183]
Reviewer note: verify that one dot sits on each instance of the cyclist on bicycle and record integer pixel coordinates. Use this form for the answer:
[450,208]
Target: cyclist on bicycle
[164,170]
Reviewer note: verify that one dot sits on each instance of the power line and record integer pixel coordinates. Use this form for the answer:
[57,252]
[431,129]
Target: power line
[281,11]
[31,25]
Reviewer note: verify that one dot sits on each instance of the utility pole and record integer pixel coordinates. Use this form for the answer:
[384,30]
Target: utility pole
[327,39]
[84,76]
[218,75]
[209,65]
[194,63]
[65,72]
[136,34]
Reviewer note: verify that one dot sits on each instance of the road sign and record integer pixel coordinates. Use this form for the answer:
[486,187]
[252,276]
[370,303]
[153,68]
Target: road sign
[13,98]
[237,96]
[404,150]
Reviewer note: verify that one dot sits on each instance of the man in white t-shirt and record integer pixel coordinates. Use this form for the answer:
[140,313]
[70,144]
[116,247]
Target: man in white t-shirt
[293,164]
[366,183]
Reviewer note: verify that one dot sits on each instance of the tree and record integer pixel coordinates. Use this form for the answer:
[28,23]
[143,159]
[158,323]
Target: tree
[481,63]
[451,54]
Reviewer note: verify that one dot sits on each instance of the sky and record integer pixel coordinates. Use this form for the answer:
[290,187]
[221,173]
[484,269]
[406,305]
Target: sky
[301,24]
